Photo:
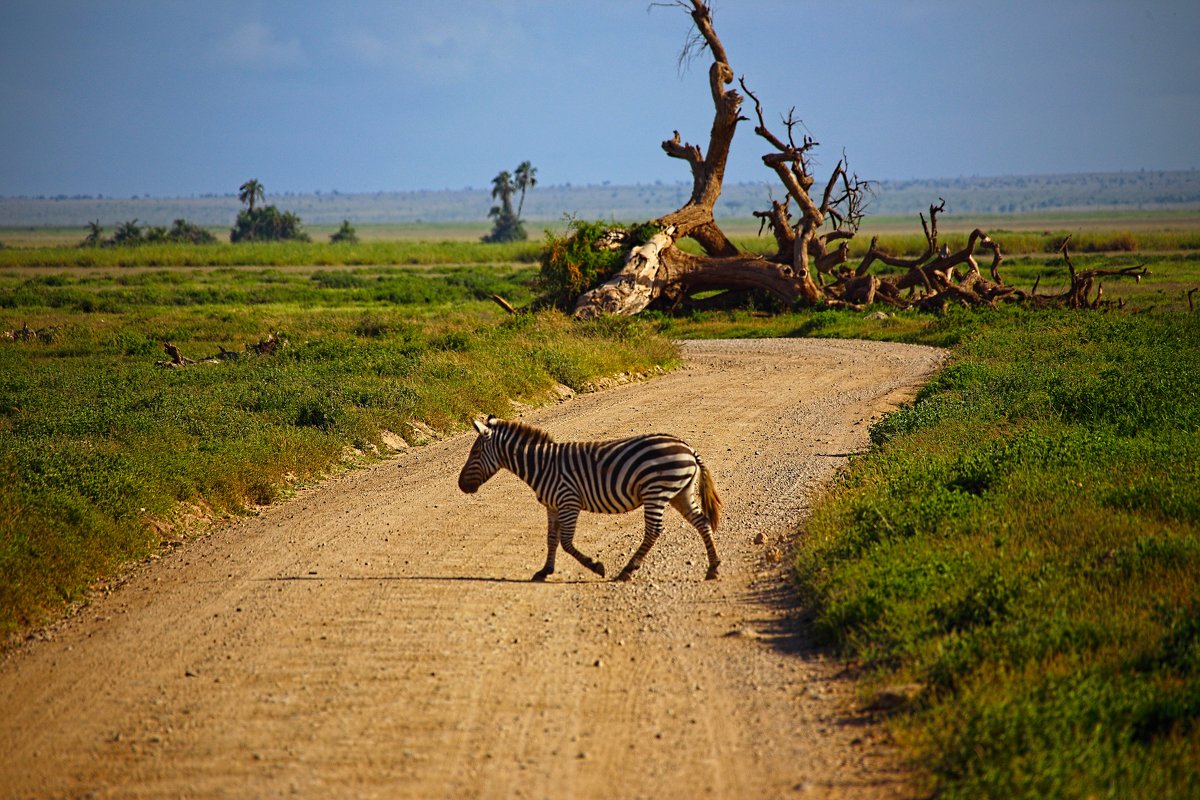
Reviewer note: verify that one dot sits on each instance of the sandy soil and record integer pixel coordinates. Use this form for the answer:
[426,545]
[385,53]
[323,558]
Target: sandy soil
[377,636]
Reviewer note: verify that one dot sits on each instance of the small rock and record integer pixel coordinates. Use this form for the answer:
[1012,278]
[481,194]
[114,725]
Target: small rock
[761,538]
[744,632]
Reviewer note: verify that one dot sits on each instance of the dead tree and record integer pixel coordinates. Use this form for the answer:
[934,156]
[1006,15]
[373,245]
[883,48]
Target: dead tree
[812,227]
[264,347]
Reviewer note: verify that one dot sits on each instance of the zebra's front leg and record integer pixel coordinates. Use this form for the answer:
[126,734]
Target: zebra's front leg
[568,519]
[552,534]
[654,515]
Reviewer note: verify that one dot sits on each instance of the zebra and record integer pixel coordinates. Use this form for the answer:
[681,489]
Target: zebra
[609,477]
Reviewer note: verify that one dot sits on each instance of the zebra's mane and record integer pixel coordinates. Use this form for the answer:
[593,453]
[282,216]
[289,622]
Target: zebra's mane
[526,431]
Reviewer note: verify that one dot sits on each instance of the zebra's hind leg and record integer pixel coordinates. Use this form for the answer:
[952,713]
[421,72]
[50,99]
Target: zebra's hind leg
[654,515]
[568,519]
[685,504]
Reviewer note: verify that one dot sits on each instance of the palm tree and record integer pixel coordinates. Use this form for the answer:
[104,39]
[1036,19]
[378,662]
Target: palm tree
[95,235]
[250,191]
[128,232]
[525,178]
[503,187]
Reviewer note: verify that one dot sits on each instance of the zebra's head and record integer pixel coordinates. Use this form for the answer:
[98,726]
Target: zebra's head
[484,460]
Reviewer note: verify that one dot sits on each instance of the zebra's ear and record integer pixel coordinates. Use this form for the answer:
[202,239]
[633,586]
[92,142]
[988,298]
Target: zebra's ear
[479,426]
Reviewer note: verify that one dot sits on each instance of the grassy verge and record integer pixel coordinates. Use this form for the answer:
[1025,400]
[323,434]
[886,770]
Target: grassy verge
[100,450]
[1023,544]
[1019,551]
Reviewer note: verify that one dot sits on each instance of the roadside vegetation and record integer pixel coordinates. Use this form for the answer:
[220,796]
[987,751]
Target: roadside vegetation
[1012,568]
[104,454]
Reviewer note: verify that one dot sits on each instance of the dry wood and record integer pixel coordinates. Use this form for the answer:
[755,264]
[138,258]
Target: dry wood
[811,265]
[500,301]
[264,347]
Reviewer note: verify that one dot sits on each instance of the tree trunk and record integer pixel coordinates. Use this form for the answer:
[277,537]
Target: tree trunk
[638,284]
[803,270]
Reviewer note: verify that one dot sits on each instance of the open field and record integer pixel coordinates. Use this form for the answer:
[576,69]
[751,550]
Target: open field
[1147,231]
[1009,570]
[411,232]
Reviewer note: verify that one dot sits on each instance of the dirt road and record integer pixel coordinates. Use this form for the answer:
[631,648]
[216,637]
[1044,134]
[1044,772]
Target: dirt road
[377,636]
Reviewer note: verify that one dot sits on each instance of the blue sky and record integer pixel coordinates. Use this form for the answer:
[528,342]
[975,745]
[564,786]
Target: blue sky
[167,98]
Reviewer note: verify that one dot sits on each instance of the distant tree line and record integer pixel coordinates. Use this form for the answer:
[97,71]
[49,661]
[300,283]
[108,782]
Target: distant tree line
[129,234]
[254,223]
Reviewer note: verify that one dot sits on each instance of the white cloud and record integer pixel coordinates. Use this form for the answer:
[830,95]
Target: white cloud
[439,45]
[254,44]
[366,47]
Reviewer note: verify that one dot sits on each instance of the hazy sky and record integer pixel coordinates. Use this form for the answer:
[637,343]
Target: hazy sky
[123,97]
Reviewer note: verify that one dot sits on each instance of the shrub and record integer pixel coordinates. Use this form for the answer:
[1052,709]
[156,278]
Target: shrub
[345,234]
[189,233]
[265,224]
[574,263]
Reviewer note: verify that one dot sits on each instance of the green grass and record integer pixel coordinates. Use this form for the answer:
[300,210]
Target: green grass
[1012,242]
[458,243]
[99,447]
[273,254]
[1022,543]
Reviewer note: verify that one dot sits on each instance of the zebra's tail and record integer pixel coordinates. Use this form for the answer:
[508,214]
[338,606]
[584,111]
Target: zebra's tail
[710,501]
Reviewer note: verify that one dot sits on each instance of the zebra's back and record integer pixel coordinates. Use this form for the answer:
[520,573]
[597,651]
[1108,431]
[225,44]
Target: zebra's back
[617,476]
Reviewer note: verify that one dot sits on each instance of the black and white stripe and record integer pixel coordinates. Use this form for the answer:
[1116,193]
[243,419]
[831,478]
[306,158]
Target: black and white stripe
[604,477]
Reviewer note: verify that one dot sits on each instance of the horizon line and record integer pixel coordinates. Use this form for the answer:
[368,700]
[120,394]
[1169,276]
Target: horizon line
[570,185]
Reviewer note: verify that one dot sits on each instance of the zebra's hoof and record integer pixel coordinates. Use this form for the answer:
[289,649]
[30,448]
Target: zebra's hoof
[712,574]
[624,576]
[540,576]
[597,568]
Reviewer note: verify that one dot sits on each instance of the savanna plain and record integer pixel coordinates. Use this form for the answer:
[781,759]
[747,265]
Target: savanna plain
[1001,573]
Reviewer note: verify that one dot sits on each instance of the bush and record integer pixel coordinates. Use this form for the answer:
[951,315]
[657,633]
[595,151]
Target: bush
[574,263]
[345,234]
[189,233]
[507,228]
[266,224]
[129,234]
